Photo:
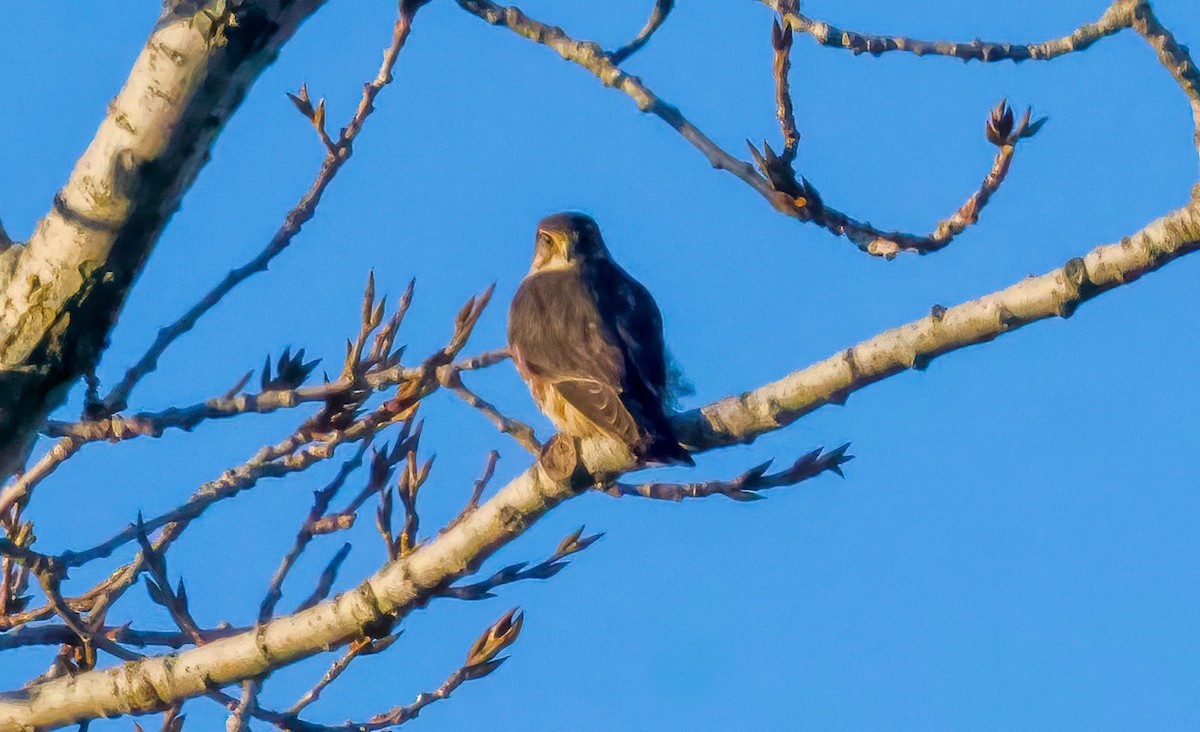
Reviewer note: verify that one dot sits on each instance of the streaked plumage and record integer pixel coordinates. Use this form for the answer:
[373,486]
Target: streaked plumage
[588,340]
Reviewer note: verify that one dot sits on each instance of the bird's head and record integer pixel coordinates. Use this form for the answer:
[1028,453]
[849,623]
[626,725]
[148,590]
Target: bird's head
[567,239]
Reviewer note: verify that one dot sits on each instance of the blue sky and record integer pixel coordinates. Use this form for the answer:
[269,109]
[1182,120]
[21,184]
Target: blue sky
[1015,544]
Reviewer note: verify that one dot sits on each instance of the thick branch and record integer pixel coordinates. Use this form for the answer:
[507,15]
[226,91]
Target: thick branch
[336,156]
[913,346]
[68,283]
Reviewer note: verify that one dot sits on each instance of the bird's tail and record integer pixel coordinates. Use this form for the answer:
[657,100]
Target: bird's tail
[663,449]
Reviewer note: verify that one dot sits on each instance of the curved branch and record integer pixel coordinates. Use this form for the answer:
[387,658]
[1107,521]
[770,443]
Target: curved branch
[797,198]
[890,243]
[408,583]
[662,8]
[1176,58]
[1116,17]
[777,183]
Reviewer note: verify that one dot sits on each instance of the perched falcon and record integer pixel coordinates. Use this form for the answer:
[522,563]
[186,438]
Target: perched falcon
[588,340]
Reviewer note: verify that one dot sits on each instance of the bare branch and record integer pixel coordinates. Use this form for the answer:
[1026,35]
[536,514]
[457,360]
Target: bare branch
[20,489]
[890,243]
[1114,19]
[781,41]
[360,647]
[266,464]
[913,346]
[327,578]
[745,487]
[451,378]
[154,424]
[59,634]
[544,570]
[481,661]
[796,197]
[480,485]
[590,56]
[1176,58]
[321,500]
[158,584]
[411,480]
[67,284]
[778,183]
[336,156]
[662,8]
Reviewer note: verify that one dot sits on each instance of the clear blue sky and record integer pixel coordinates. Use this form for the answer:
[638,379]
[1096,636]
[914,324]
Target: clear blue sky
[1016,544]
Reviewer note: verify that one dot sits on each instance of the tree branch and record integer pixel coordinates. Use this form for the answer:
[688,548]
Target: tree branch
[1115,18]
[778,183]
[336,156]
[1176,58]
[662,8]
[744,487]
[592,57]
[1055,294]
[68,283]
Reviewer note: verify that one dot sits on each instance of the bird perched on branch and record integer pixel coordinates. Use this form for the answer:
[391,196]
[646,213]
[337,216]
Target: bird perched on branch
[588,339]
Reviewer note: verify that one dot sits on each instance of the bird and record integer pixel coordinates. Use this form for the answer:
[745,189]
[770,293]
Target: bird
[587,338]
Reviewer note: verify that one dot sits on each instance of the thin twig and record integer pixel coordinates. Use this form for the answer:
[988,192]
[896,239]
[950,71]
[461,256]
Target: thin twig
[451,378]
[360,647]
[21,488]
[321,500]
[745,487]
[1000,132]
[662,8]
[781,41]
[326,579]
[335,157]
[482,660]
[480,485]
[1115,18]
[58,634]
[543,570]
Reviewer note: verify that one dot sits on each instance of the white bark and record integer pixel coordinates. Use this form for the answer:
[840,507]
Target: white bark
[61,292]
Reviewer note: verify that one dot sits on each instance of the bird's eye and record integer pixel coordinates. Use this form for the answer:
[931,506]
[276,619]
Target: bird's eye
[543,239]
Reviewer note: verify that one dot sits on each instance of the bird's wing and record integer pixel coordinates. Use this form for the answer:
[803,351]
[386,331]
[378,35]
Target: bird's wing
[557,335]
[602,405]
[634,317]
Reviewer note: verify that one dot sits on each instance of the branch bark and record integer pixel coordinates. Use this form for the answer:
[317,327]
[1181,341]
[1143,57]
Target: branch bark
[409,583]
[66,286]
[1115,18]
